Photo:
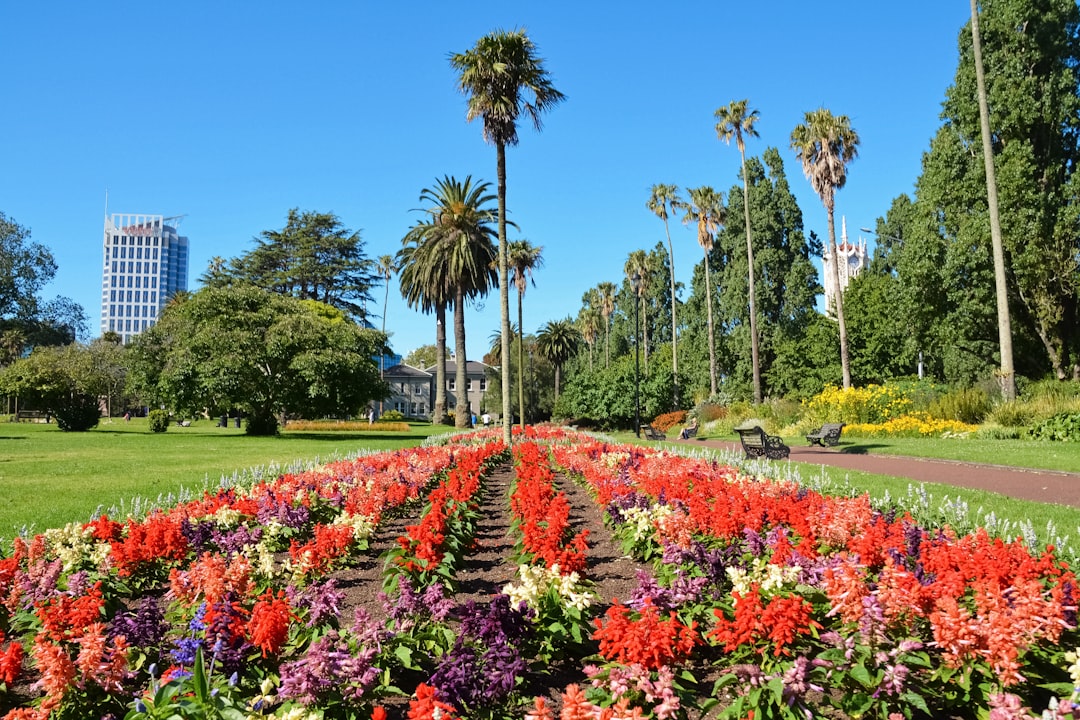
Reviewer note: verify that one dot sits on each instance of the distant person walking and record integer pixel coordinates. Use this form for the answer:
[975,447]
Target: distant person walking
[371,416]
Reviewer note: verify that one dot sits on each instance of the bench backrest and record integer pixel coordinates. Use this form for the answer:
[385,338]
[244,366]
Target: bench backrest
[751,436]
[832,428]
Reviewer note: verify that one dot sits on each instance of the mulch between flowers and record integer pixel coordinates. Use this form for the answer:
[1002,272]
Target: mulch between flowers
[489,568]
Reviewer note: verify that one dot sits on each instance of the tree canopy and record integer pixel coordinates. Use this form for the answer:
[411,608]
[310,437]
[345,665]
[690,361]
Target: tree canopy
[314,257]
[265,354]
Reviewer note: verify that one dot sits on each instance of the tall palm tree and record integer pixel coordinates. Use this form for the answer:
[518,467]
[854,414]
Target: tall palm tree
[589,323]
[638,264]
[455,245]
[522,258]
[735,120]
[386,265]
[825,144]
[663,202]
[606,294]
[498,75]
[1008,376]
[557,342]
[706,208]
[423,287]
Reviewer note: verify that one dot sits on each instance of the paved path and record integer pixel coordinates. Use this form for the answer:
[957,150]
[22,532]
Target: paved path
[1050,486]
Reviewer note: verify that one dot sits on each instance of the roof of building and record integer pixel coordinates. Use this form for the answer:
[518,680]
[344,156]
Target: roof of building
[404,370]
[472,367]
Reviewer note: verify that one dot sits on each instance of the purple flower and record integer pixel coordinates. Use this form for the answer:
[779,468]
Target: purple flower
[322,601]
[144,627]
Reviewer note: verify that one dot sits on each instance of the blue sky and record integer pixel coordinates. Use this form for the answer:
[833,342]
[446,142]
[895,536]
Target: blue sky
[231,113]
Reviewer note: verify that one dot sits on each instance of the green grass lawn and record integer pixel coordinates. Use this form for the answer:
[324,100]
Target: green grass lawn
[1041,454]
[49,478]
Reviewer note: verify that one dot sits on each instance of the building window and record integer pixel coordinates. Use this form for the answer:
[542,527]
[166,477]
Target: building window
[483,383]
[414,408]
[451,384]
[417,390]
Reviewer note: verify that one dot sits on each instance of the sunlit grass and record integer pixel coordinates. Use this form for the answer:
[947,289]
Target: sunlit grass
[49,478]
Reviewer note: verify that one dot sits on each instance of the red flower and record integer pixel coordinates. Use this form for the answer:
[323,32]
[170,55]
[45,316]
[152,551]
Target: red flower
[268,627]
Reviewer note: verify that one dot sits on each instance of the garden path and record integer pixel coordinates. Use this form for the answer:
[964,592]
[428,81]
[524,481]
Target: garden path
[1049,486]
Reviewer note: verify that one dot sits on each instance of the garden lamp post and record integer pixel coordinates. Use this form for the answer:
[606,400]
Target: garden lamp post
[635,283]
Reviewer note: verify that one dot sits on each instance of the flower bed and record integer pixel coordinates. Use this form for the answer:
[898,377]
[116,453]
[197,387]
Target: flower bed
[759,597]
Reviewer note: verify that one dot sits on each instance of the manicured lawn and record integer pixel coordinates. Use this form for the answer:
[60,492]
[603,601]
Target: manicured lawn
[1041,454]
[49,478]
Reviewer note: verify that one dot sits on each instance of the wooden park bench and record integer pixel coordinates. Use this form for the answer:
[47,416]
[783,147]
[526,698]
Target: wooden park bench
[756,443]
[32,416]
[652,433]
[827,434]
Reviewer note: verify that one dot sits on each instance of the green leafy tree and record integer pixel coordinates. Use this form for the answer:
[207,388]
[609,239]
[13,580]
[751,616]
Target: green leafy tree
[558,341]
[523,257]
[264,353]
[736,120]
[422,357]
[787,281]
[825,144]
[67,381]
[314,257]
[452,257]
[605,396]
[504,78]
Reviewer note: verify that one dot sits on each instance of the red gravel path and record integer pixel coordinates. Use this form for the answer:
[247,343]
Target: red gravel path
[1049,486]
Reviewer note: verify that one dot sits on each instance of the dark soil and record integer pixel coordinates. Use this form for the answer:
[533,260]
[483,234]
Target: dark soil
[489,566]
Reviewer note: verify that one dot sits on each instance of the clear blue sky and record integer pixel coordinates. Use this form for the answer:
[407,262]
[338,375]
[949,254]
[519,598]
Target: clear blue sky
[231,113]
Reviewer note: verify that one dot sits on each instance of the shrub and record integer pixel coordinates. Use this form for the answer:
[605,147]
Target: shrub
[665,422]
[870,404]
[391,416]
[261,424]
[158,421]
[997,432]
[77,413]
[914,424]
[1012,414]
[1064,427]
[707,412]
[970,405]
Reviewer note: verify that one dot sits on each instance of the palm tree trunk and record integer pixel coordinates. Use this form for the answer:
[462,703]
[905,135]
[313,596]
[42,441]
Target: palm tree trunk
[712,339]
[438,410]
[838,296]
[645,333]
[1008,375]
[607,343]
[558,368]
[504,292]
[754,352]
[521,364]
[461,381]
[674,324]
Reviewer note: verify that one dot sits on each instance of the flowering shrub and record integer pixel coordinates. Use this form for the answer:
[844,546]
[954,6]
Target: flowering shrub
[870,404]
[666,421]
[913,424]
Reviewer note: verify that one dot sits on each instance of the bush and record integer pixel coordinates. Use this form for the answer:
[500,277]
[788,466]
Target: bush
[391,416]
[158,420]
[665,422]
[871,404]
[1062,428]
[969,406]
[78,413]
[997,432]
[261,425]
[707,412]
[1012,414]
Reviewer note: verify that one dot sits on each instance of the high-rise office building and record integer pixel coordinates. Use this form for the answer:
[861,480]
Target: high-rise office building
[146,261]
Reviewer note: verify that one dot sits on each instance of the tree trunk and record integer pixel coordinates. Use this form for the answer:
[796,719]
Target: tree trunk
[1008,374]
[838,295]
[504,293]
[521,363]
[645,333]
[438,409]
[462,413]
[558,368]
[754,351]
[674,323]
[712,339]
